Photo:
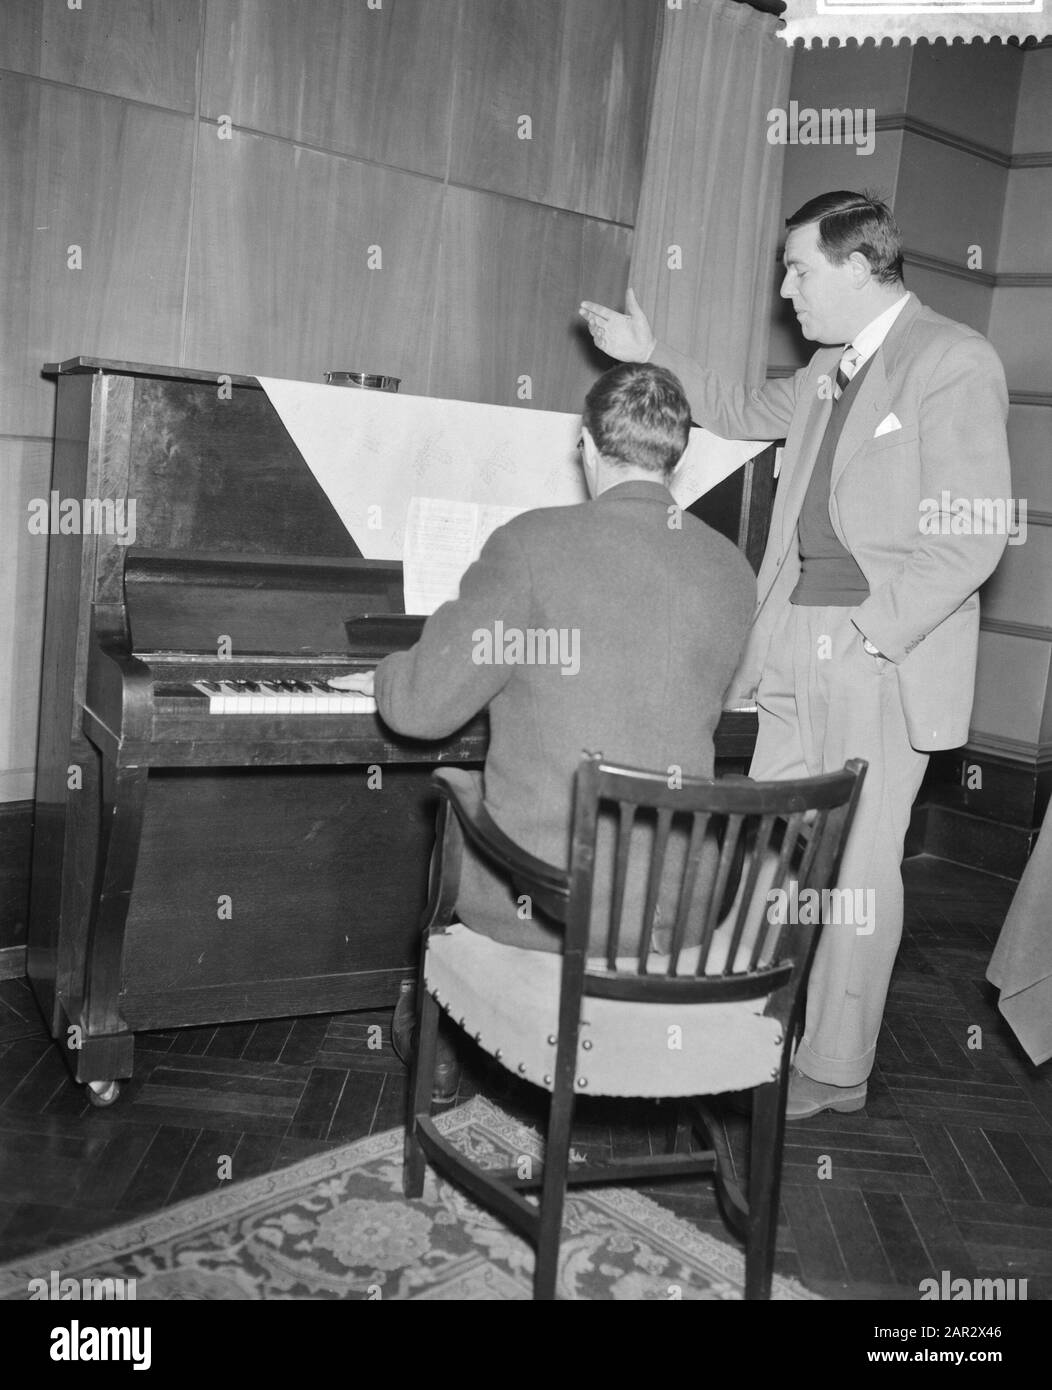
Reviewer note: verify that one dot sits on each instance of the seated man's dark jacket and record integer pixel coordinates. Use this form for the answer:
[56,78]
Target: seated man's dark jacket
[661,603]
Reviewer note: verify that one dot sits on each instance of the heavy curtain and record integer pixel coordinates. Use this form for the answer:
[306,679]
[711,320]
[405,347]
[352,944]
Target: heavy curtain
[712,186]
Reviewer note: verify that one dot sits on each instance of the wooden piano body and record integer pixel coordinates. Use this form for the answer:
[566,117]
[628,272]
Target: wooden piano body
[191,868]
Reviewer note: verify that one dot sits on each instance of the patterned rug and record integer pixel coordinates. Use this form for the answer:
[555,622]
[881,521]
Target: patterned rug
[336,1226]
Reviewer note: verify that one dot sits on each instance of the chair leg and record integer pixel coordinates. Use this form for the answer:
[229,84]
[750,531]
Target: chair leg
[765,1172]
[553,1193]
[421,1083]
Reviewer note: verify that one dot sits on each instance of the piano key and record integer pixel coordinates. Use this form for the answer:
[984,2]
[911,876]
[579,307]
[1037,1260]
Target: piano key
[209,689]
[229,697]
[280,696]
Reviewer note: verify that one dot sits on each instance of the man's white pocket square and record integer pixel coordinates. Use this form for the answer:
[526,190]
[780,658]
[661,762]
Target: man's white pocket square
[889,423]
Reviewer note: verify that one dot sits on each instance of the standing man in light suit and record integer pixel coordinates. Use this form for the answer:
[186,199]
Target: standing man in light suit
[866,630]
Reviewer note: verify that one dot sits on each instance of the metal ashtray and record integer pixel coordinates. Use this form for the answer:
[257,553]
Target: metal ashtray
[366,381]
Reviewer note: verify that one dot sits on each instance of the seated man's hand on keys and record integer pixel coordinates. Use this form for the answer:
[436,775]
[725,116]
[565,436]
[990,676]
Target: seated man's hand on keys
[360,682]
[625,336]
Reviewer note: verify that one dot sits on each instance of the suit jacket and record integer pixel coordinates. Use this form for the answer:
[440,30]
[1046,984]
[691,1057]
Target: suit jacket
[945,386]
[660,610]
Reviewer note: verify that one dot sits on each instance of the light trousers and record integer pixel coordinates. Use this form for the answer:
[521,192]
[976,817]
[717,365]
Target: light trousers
[823,699]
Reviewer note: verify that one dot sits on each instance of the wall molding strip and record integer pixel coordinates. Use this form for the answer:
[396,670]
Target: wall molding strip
[941,266]
[1023,279]
[910,125]
[1014,750]
[1035,159]
[1033,632]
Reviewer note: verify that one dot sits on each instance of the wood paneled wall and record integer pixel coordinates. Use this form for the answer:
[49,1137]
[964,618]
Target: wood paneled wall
[226,166]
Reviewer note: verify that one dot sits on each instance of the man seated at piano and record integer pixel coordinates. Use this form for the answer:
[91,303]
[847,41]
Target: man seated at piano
[614,625]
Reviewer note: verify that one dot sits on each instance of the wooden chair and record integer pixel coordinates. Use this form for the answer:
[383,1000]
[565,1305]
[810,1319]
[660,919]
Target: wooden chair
[716,1013]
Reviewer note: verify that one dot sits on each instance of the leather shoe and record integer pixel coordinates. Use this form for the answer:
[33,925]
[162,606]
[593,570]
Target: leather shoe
[808,1097]
[403,1039]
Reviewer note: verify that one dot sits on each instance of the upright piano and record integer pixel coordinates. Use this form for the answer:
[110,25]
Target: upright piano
[218,836]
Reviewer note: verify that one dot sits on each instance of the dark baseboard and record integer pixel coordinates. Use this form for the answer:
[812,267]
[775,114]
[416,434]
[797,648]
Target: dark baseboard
[995,787]
[980,809]
[991,846]
[16,839]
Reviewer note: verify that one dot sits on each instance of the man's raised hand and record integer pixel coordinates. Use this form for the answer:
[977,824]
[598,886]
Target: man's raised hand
[626,336]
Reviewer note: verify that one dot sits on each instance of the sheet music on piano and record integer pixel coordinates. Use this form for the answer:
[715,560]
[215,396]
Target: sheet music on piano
[442,538]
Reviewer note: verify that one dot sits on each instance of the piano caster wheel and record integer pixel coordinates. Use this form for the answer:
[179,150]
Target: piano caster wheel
[102,1093]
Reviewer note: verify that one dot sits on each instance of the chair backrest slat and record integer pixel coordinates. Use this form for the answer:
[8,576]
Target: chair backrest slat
[655,878]
[699,825]
[733,828]
[746,894]
[768,940]
[625,823]
[817,836]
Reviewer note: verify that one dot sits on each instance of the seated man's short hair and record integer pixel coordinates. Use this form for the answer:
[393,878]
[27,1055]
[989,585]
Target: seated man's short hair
[638,415]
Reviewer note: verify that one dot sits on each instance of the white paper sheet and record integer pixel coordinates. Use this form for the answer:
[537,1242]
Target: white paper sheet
[442,538]
[372,451]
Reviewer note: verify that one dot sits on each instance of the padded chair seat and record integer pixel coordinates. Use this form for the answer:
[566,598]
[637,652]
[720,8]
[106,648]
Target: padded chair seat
[507,998]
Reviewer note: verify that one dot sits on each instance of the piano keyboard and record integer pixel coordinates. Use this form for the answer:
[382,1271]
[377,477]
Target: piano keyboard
[282,697]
